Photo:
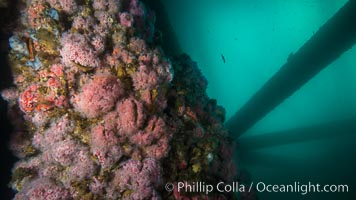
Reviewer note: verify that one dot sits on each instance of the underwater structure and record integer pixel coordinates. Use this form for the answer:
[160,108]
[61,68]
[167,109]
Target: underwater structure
[100,112]
[335,37]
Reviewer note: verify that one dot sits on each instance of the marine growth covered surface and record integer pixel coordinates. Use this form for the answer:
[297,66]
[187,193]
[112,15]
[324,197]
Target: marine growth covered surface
[100,112]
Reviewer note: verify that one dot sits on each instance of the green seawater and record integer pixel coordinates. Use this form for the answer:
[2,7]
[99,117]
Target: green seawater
[239,45]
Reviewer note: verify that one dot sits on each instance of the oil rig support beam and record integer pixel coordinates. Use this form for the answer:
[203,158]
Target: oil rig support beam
[335,37]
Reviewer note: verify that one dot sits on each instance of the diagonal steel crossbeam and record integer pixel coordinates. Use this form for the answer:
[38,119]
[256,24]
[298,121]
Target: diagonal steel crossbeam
[335,37]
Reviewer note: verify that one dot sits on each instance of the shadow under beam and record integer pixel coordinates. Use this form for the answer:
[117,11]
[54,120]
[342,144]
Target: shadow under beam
[297,135]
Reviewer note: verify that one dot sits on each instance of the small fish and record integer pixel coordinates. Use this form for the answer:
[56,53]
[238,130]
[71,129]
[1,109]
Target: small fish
[223,58]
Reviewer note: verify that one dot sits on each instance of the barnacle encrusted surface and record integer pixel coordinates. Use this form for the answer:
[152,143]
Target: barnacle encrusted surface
[100,112]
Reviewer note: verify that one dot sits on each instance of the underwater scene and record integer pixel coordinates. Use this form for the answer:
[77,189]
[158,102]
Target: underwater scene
[178,99]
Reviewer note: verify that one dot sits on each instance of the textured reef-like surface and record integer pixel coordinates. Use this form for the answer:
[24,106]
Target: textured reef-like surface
[100,112]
